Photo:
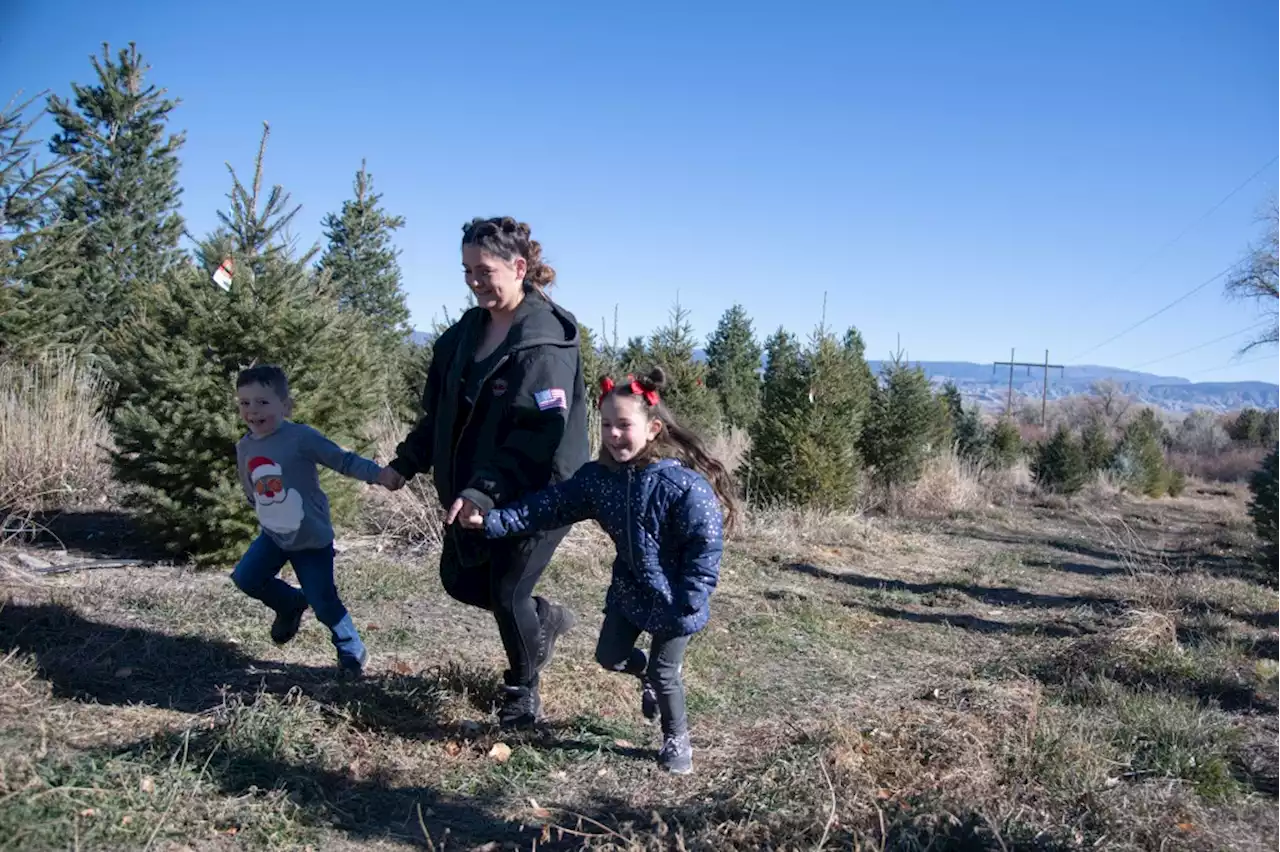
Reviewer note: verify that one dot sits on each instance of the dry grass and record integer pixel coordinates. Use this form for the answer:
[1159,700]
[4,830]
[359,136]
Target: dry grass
[53,438]
[1027,679]
[411,516]
[731,447]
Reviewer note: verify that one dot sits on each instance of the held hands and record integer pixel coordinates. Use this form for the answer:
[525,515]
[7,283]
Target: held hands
[390,479]
[466,513]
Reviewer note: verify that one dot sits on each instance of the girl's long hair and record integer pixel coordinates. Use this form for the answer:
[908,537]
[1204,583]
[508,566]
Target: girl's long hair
[675,441]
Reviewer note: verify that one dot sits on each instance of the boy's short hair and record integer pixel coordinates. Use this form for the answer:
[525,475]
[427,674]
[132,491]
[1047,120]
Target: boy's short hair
[267,375]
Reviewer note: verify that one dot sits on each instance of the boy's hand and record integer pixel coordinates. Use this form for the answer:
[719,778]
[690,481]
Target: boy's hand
[390,479]
[466,513]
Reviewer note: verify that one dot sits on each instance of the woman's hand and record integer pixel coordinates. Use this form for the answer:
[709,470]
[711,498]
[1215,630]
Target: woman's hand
[390,479]
[466,513]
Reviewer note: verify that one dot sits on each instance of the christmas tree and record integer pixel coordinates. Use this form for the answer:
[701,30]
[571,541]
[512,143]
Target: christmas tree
[177,427]
[362,263]
[122,201]
[35,244]
[902,424]
[733,368]
[671,348]
[784,395]
[1059,464]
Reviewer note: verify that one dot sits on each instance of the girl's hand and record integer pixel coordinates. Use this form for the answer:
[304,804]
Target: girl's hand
[466,513]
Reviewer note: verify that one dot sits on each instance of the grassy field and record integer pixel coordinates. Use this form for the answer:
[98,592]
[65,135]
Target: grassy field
[1100,675]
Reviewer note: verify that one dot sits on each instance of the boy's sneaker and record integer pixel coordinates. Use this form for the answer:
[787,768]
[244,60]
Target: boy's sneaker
[648,700]
[676,754]
[286,625]
[353,666]
[521,707]
[554,621]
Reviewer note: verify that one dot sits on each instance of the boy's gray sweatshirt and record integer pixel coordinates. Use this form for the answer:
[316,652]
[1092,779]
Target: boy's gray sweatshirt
[280,479]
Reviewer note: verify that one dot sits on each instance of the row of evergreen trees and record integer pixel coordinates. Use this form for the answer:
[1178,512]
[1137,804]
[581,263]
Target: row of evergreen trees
[92,257]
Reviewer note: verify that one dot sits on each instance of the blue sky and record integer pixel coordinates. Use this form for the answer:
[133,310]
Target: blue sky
[970,176]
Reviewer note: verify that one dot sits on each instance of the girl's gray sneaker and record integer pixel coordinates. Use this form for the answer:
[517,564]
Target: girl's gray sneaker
[676,754]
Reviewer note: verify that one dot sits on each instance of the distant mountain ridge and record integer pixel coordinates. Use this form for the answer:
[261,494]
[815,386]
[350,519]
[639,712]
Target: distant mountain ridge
[989,385]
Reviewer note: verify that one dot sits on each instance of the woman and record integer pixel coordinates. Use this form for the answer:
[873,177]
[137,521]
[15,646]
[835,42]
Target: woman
[504,415]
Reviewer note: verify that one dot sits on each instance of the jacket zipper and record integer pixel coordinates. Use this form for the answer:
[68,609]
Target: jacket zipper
[453,467]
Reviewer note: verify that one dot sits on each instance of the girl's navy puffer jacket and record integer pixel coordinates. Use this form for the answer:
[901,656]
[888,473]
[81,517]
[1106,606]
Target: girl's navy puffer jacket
[666,524]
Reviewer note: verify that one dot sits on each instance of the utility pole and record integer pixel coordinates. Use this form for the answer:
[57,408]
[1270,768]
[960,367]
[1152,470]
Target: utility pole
[1044,390]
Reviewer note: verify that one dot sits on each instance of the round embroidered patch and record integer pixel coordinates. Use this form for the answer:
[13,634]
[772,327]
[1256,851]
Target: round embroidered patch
[499,387]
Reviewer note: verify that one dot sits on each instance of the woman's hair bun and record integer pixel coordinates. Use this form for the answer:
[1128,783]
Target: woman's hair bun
[655,380]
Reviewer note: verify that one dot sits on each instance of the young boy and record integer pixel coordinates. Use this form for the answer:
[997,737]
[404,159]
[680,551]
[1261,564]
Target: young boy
[277,464]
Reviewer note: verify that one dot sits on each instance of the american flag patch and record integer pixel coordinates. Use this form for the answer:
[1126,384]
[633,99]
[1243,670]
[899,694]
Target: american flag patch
[551,399]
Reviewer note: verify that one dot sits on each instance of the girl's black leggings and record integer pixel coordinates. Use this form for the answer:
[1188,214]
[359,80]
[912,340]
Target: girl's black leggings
[616,650]
[503,583]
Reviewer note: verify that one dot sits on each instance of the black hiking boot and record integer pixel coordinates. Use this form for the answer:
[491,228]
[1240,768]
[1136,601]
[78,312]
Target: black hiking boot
[286,625]
[554,621]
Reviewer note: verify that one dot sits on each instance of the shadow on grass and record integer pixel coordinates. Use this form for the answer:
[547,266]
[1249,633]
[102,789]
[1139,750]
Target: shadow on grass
[103,534]
[964,621]
[990,595]
[89,661]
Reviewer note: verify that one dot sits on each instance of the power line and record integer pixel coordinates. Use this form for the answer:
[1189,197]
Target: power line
[1199,346]
[1149,317]
[1170,242]
[1230,195]
[1230,364]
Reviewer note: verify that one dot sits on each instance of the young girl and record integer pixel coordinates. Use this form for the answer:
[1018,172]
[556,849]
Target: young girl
[659,495]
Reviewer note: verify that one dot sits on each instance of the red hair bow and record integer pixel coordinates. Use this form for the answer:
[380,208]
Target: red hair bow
[607,385]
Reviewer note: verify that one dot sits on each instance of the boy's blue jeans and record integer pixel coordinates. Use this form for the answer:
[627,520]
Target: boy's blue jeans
[256,576]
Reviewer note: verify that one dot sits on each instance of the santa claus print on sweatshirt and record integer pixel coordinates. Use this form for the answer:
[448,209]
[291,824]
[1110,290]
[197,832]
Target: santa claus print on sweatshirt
[281,480]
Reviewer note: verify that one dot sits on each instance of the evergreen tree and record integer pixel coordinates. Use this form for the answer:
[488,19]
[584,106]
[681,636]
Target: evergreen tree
[671,347]
[1095,443]
[1263,507]
[733,367]
[784,395]
[1139,457]
[1006,444]
[967,431]
[176,428]
[595,364]
[1249,427]
[634,357]
[897,439]
[123,200]
[1058,464]
[363,264]
[34,242]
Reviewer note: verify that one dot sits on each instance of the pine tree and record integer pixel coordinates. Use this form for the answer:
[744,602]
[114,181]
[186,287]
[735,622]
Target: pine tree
[634,357]
[967,432]
[1247,427]
[784,395]
[1005,444]
[34,242]
[124,198]
[1265,487]
[177,427]
[1139,457]
[671,348]
[903,413]
[733,368]
[1058,464]
[363,264]
[1095,443]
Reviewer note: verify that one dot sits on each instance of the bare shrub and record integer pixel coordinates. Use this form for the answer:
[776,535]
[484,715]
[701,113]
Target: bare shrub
[948,485]
[54,437]
[1234,464]
[412,515]
[731,447]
